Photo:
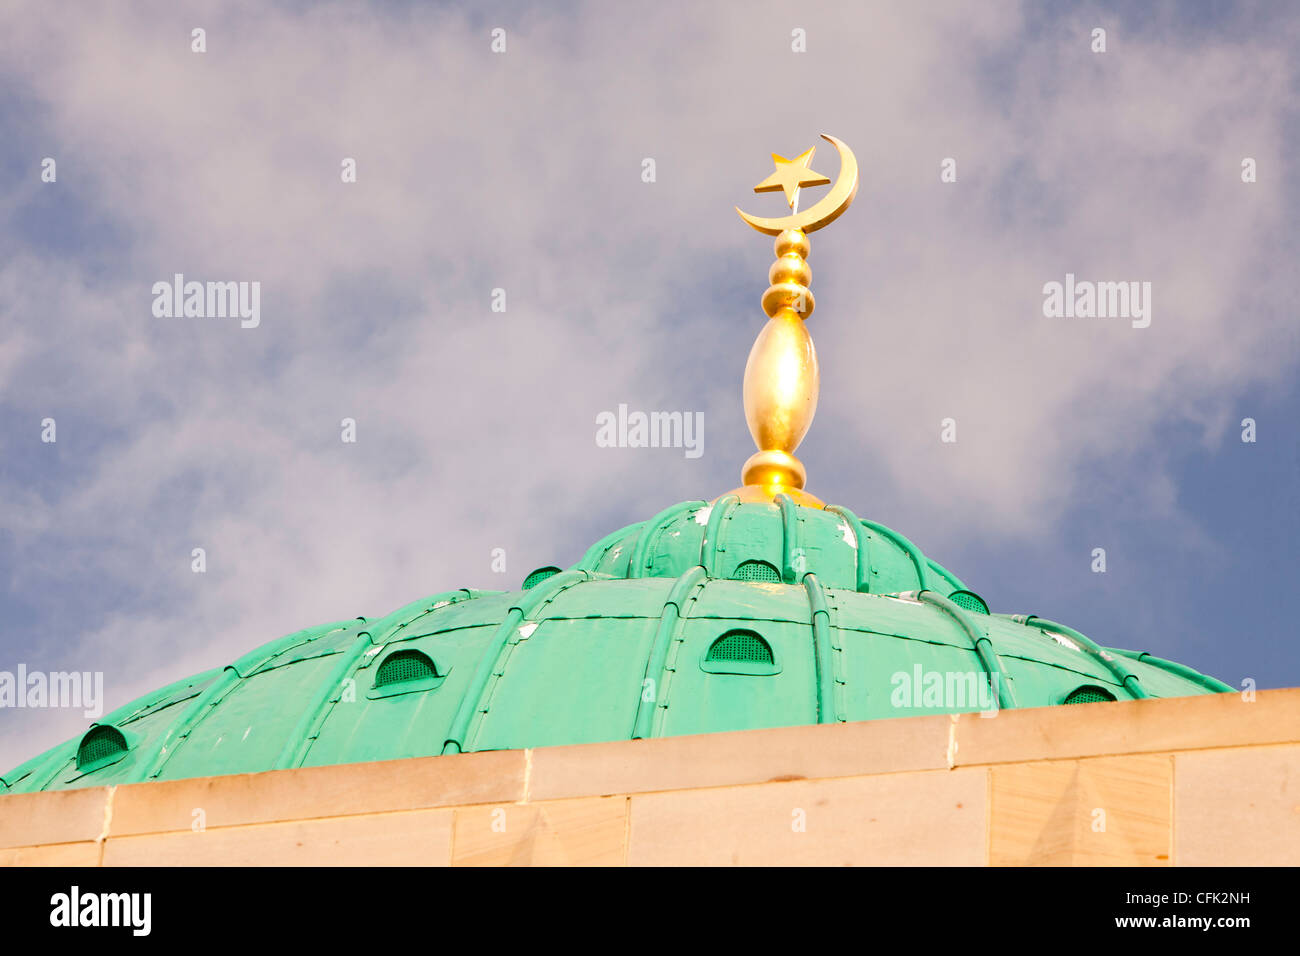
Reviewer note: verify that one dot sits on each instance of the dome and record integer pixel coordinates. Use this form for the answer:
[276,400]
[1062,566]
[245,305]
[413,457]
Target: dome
[763,608]
[708,617]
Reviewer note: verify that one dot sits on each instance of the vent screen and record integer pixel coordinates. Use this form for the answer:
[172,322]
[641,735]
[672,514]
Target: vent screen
[969,600]
[757,571]
[402,666]
[1088,695]
[538,576]
[744,646]
[100,745]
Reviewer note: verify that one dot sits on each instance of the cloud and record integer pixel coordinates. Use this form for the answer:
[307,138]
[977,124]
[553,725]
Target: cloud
[522,171]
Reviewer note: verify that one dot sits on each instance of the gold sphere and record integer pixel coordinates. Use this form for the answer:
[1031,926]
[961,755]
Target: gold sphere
[792,240]
[789,297]
[790,268]
[774,468]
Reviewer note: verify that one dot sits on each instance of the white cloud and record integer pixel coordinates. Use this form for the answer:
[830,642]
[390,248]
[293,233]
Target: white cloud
[522,171]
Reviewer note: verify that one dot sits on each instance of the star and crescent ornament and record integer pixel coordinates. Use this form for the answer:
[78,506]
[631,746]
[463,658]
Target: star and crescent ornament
[782,378]
[791,175]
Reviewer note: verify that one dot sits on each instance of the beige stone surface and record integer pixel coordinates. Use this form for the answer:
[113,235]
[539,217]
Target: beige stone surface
[752,756]
[887,820]
[1108,811]
[412,838]
[345,789]
[1205,780]
[57,816]
[1237,807]
[589,832]
[55,854]
[1129,727]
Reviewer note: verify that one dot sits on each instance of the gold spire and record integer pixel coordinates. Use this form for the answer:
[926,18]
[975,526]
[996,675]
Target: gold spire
[781,377]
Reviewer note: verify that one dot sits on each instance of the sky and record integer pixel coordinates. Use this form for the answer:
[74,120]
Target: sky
[523,170]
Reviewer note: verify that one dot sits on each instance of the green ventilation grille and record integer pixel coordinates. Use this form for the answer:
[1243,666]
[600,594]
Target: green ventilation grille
[741,646]
[538,576]
[101,745]
[757,571]
[969,600]
[400,667]
[1088,695]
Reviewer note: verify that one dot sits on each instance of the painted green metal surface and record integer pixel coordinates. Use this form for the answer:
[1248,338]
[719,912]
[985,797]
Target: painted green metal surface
[705,618]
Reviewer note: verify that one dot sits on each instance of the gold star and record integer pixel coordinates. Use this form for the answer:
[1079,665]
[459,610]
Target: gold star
[791,175]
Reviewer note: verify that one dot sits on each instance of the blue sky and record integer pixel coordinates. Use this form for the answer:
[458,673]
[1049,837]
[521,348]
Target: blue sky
[522,171]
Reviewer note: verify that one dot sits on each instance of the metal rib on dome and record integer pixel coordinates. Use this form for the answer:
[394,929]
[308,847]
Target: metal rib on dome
[596,553]
[828,677]
[720,511]
[1206,681]
[665,634]
[642,555]
[375,636]
[506,633]
[1127,679]
[793,560]
[860,541]
[984,650]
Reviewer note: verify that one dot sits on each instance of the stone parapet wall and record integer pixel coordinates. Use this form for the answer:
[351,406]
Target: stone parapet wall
[1209,780]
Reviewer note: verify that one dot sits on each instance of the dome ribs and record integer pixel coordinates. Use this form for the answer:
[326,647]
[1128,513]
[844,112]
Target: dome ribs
[984,648]
[156,757]
[1212,684]
[327,695]
[918,559]
[1123,676]
[596,553]
[44,767]
[657,661]
[793,563]
[259,657]
[643,554]
[864,545]
[846,551]
[528,602]
[825,656]
[720,511]
[152,761]
[298,743]
[954,582]
[662,584]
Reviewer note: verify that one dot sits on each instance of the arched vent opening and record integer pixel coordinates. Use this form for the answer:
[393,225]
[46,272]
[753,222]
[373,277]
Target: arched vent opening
[537,577]
[757,571]
[405,666]
[969,601]
[101,746]
[745,646]
[1088,694]
[741,651]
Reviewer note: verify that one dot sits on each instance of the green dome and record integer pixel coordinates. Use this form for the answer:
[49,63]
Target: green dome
[705,618]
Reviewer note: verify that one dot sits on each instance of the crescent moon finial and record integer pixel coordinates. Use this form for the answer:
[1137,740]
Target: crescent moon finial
[782,379]
[826,210]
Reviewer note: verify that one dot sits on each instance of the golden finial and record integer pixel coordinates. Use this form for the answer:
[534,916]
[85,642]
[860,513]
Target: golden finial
[781,377]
